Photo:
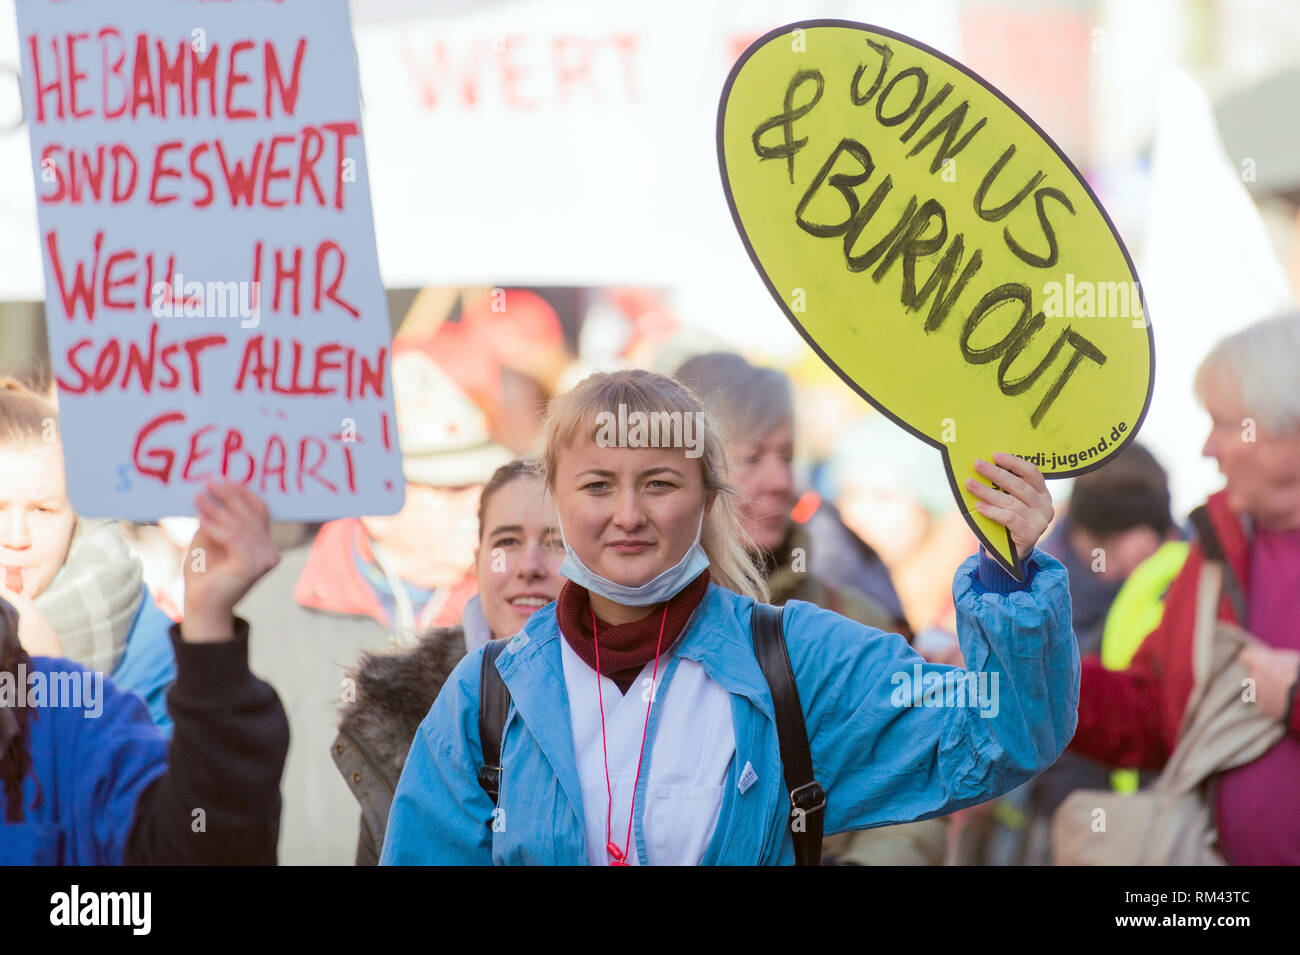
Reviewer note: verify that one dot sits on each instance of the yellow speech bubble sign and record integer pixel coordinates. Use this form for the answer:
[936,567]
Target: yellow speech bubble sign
[937,250]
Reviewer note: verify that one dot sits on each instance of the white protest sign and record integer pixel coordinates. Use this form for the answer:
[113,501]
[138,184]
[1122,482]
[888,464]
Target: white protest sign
[212,290]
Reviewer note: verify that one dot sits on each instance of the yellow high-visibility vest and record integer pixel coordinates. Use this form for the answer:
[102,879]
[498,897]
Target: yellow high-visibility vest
[1136,612]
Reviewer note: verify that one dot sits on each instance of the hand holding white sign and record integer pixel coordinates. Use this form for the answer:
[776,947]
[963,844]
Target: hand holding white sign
[231,551]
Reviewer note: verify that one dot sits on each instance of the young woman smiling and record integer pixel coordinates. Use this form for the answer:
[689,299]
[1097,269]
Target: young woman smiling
[686,768]
[518,571]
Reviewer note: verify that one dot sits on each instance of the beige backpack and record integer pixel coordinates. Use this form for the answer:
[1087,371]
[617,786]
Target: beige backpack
[1172,822]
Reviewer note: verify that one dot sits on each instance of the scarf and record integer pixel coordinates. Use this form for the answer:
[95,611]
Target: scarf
[93,601]
[626,648]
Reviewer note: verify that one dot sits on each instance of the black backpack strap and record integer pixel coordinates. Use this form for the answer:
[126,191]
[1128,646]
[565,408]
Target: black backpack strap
[1212,548]
[493,706]
[807,797]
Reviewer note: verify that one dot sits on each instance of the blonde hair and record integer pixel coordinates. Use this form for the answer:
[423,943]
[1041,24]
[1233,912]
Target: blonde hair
[26,416]
[578,411]
[1259,363]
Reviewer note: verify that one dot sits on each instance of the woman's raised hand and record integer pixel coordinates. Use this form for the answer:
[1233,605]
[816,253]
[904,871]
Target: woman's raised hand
[1023,505]
[230,552]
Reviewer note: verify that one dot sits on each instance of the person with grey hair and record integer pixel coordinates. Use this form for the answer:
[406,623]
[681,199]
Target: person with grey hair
[1133,717]
[805,552]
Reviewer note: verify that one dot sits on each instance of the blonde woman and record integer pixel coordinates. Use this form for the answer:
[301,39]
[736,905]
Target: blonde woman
[640,728]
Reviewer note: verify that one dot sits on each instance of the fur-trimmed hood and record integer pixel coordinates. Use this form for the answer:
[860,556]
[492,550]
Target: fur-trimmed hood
[393,693]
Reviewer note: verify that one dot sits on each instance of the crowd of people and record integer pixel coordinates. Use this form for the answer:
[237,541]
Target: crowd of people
[550,655]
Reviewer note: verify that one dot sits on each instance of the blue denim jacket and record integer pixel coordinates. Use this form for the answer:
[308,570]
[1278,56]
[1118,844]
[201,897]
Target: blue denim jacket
[885,748]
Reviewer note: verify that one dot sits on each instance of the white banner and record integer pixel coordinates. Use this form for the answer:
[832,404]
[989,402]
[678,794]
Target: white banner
[551,142]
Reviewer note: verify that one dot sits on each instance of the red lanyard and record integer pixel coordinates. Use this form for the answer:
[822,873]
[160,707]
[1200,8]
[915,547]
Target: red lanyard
[617,855]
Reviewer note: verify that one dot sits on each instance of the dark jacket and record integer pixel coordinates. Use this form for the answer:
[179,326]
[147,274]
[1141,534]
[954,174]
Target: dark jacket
[105,787]
[843,560]
[791,574]
[393,694]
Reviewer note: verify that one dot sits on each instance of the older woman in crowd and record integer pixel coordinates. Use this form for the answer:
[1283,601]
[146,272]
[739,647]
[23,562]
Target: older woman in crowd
[1132,717]
[802,546]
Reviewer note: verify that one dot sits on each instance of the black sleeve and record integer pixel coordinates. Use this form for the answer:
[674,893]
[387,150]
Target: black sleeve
[219,801]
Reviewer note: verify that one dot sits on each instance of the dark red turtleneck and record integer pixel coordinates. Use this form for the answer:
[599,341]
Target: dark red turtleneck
[627,647]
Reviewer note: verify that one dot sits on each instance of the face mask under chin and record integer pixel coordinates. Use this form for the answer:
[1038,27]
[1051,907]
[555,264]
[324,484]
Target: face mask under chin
[664,586]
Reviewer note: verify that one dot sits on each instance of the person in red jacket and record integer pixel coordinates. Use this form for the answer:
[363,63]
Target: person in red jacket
[1131,717]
